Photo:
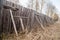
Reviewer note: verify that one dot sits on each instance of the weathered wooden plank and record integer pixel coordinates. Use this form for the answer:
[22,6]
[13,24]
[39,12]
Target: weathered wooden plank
[32,18]
[1,12]
[22,24]
[21,17]
[13,22]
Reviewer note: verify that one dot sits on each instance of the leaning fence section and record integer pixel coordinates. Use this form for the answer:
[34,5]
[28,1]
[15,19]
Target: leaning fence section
[29,18]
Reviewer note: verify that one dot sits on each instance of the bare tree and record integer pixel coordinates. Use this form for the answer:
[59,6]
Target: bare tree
[37,5]
[34,4]
[51,11]
[30,4]
[42,4]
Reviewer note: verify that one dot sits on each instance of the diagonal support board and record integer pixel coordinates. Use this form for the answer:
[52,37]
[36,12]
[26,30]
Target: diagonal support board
[40,23]
[21,23]
[13,22]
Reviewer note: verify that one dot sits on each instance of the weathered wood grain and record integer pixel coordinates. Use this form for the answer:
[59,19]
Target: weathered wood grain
[28,18]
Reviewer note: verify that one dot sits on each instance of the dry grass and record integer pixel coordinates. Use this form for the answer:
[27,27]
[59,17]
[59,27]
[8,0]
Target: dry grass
[50,33]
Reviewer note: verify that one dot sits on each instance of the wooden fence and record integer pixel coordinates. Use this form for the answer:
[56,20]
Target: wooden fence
[29,16]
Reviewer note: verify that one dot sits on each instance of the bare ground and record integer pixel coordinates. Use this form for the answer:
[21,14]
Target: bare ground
[50,33]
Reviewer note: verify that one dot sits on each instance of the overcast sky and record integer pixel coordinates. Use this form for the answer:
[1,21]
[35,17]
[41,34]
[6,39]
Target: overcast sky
[56,3]
[23,2]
